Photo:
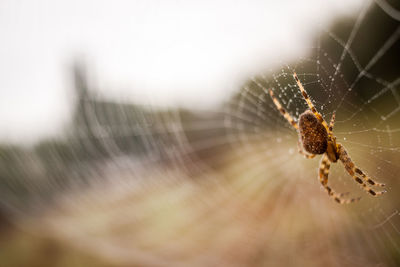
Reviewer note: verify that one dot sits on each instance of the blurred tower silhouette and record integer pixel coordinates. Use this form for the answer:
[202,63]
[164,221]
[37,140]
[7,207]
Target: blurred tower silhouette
[105,127]
[85,117]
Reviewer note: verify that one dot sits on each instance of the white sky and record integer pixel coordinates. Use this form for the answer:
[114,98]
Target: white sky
[167,52]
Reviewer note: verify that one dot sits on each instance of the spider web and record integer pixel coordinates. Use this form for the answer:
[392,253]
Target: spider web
[136,185]
[352,71]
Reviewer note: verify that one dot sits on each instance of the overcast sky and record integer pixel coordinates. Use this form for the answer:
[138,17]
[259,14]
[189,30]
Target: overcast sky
[167,52]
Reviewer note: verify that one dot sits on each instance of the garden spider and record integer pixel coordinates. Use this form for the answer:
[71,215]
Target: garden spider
[316,137]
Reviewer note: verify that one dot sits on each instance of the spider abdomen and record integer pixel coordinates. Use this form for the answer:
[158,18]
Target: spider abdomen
[313,134]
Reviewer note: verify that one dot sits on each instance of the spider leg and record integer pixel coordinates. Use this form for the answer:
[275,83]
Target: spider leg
[283,111]
[301,151]
[353,170]
[309,103]
[367,179]
[332,122]
[330,130]
[324,167]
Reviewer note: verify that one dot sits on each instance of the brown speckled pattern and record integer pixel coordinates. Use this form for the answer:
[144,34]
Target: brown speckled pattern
[313,134]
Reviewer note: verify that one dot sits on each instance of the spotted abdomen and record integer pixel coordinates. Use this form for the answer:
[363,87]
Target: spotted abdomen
[313,134]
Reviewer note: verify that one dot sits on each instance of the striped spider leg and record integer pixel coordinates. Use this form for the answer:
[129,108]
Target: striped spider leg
[289,118]
[324,167]
[309,103]
[352,169]
[323,172]
[283,111]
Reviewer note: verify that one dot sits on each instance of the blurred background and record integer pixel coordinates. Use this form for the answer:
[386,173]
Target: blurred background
[141,133]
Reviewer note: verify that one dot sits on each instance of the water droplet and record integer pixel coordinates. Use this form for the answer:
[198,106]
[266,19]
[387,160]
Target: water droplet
[344,138]
[383,118]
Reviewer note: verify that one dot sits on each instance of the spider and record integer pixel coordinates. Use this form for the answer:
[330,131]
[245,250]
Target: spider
[315,138]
